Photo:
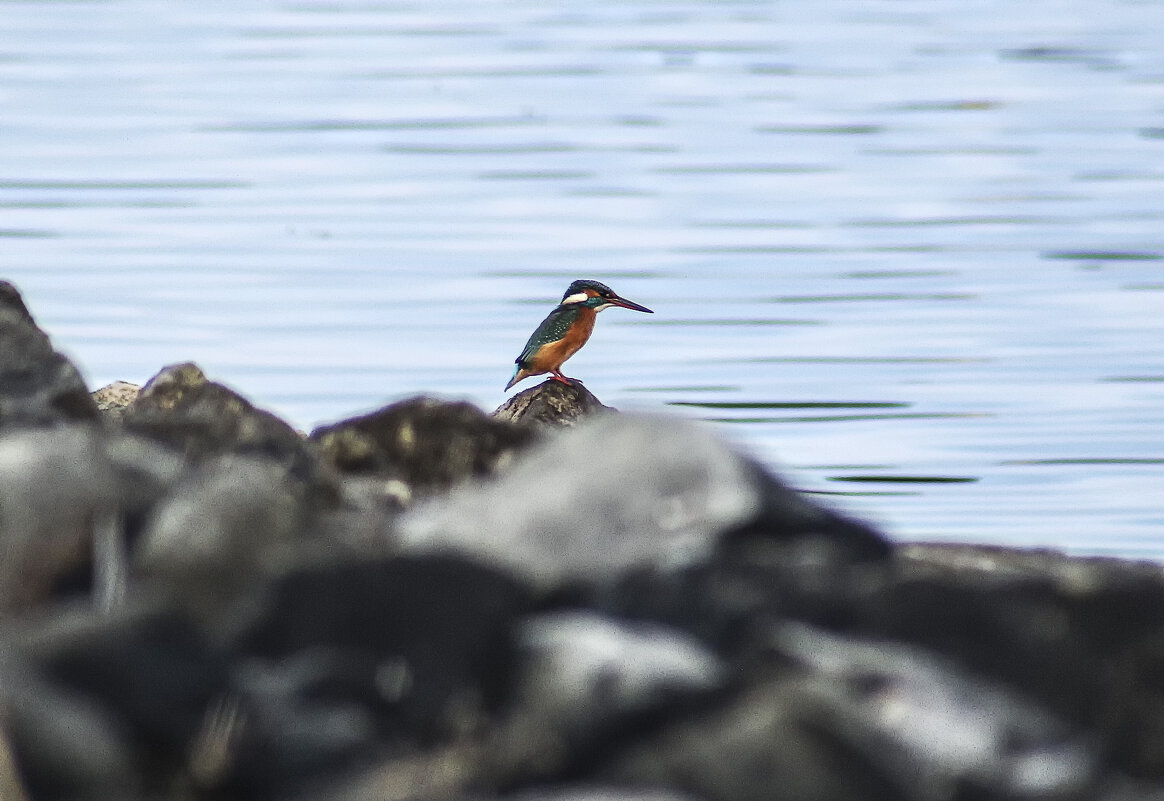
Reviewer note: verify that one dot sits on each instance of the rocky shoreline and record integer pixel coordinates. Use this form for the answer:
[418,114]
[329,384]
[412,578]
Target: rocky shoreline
[553,601]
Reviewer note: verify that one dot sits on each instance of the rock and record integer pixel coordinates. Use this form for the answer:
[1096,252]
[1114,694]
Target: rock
[928,726]
[11,784]
[422,446]
[584,685]
[226,524]
[432,632]
[38,386]
[102,706]
[619,492]
[286,721]
[587,683]
[200,419]
[860,719]
[182,408]
[1081,636]
[829,573]
[760,745]
[144,471]
[582,672]
[392,788]
[66,746]
[591,793]
[113,399]
[11,301]
[551,404]
[56,496]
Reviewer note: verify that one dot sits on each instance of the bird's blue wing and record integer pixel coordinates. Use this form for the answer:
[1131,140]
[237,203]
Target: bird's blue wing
[553,328]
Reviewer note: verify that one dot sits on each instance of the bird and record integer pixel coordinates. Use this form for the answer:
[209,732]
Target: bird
[566,329]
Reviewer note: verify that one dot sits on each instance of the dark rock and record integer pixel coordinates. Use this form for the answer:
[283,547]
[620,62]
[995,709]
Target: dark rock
[64,744]
[182,408]
[1082,636]
[584,685]
[38,386]
[929,726]
[859,719]
[762,745]
[422,445]
[286,721]
[103,705]
[11,301]
[620,492]
[56,494]
[383,788]
[341,661]
[551,404]
[434,629]
[584,793]
[587,684]
[754,577]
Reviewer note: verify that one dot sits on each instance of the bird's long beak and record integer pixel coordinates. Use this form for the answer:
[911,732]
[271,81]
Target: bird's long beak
[627,304]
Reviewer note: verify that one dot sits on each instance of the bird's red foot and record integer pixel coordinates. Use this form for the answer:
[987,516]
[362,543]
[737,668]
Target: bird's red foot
[559,377]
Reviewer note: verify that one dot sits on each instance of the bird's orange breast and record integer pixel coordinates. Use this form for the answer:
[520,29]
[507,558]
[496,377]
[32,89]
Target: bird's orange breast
[551,356]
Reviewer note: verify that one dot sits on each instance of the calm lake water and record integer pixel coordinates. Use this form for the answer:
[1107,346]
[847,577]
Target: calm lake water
[910,253]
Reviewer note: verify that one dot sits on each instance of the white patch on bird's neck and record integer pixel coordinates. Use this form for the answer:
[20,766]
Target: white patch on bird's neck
[603,306]
[577,297]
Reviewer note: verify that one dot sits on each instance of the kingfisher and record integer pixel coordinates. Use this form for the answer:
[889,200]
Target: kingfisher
[566,329]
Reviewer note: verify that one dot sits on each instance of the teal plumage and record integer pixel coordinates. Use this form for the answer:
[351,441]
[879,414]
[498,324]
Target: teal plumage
[553,328]
[566,329]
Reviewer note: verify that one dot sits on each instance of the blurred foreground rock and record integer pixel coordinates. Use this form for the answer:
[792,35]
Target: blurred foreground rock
[427,602]
[38,385]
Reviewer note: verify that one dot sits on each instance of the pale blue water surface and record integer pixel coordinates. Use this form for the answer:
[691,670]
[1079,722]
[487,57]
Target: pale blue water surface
[910,253]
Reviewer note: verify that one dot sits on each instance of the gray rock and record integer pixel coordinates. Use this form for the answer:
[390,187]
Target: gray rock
[38,385]
[586,683]
[144,471]
[760,745]
[56,494]
[618,491]
[582,672]
[931,727]
[67,745]
[229,522]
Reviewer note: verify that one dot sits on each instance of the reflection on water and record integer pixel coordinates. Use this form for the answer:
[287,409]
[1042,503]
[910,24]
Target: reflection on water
[911,255]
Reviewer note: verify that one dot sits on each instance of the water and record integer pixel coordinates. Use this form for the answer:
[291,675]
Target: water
[910,253]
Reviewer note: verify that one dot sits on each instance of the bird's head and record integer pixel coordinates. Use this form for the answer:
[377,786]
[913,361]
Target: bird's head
[598,296]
